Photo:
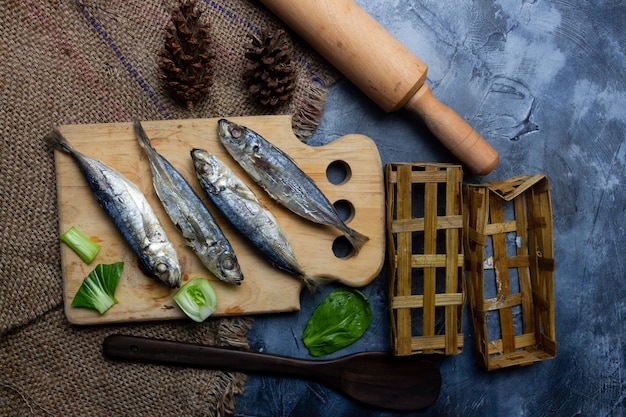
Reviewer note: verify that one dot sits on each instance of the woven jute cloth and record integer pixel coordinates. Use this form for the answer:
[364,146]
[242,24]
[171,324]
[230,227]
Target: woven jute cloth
[72,62]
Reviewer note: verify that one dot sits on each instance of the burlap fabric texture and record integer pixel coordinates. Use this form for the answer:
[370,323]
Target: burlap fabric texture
[70,62]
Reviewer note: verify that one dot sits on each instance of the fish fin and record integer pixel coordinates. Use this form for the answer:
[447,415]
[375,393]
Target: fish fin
[142,137]
[357,240]
[58,141]
[314,283]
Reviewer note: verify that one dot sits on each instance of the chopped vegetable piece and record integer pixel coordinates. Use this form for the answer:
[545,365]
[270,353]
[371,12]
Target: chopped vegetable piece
[81,244]
[338,321]
[197,299]
[98,289]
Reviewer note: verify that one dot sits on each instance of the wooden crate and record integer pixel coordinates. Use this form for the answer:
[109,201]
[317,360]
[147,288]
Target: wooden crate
[425,253]
[510,270]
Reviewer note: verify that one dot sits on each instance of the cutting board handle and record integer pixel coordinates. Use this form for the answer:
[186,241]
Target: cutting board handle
[454,132]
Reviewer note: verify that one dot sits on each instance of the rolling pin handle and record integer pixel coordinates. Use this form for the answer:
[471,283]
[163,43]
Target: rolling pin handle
[454,132]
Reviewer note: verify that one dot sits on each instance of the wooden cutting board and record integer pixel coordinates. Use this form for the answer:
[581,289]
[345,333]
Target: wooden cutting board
[264,289]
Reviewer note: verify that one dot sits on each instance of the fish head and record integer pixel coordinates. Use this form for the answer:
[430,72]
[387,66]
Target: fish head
[167,270]
[159,260]
[237,139]
[230,131]
[228,268]
[207,166]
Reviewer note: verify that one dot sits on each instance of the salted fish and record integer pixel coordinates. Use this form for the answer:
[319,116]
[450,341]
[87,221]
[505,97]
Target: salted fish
[130,212]
[191,216]
[249,216]
[282,179]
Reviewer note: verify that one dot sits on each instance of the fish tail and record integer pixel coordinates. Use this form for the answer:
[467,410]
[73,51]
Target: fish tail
[314,283]
[58,141]
[356,239]
[142,137]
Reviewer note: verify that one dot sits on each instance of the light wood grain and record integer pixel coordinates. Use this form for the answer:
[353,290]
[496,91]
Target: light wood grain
[384,69]
[264,289]
[424,216]
[515,292]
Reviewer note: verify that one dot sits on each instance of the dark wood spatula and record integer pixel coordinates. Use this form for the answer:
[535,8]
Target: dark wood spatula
[375,378]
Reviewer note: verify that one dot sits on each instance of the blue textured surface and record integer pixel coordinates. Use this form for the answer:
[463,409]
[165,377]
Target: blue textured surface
[544,82]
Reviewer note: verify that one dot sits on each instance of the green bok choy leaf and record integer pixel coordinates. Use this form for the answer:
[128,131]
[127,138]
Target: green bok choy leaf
[98,289]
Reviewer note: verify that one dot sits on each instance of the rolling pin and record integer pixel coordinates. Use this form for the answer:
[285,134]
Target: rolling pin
[384,69]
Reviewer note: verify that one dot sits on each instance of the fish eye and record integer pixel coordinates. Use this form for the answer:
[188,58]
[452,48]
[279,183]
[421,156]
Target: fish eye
[236,132]
[161,267]
[229,264]
[206,169]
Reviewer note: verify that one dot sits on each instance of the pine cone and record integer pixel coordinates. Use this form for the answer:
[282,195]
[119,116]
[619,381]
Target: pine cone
[186,62]
[270,73]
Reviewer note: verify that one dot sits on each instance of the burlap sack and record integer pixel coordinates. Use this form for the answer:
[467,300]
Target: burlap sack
[66,62]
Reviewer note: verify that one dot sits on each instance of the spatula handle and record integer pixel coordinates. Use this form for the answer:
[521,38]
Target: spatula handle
[139,349]
[374,378]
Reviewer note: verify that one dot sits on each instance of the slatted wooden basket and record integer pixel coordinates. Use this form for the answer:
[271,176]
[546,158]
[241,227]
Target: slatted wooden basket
[425,252]
[510,270]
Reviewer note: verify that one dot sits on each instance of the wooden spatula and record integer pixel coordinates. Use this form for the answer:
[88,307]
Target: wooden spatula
[375,378]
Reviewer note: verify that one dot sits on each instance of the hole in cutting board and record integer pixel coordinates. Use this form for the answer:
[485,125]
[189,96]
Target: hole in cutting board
[342,248]
[345,210]
[338,172]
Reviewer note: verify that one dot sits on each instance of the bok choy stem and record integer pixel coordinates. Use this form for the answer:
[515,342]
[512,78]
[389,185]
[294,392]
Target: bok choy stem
[197,299]
[84,247]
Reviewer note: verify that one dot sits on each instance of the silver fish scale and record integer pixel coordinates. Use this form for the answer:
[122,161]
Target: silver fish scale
[247,214]
[131,214]
[275,172]
[187,211]
[282,179]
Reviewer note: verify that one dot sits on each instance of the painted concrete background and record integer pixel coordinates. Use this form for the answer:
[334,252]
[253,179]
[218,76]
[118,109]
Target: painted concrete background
[545,83]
